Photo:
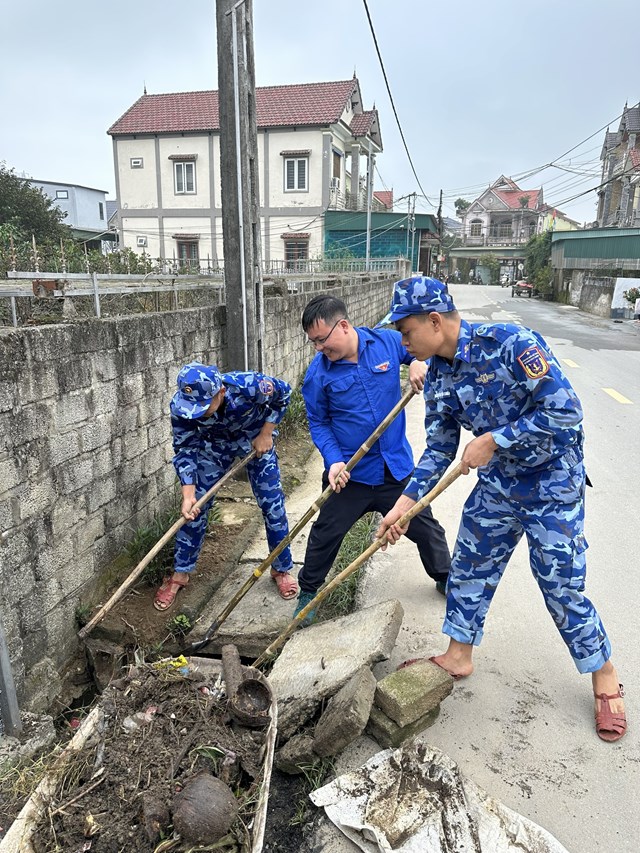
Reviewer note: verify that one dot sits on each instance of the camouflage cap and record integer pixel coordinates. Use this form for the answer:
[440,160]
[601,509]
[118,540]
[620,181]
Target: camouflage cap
[198,384]
[418,295]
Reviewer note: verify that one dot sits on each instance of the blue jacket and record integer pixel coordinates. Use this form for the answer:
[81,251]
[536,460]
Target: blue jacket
[504,380]
[251,400]
[347,400]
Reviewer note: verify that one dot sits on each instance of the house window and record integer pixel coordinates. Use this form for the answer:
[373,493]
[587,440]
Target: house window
[505,229]
[476,228]
[295,253]
[295,173]
[188,253]
[62,193]
[136,163]
[337,164]
[185,177]
[101,210]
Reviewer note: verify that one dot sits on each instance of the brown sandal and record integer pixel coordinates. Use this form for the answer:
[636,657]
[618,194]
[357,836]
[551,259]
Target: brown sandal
[165,597]
[287,586]
[610,726]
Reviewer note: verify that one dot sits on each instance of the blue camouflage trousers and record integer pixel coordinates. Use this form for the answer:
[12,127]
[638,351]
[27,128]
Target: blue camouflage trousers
[548,508]
[264,475]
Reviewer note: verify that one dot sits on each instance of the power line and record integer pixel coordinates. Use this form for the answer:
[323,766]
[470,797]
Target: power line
[395,112]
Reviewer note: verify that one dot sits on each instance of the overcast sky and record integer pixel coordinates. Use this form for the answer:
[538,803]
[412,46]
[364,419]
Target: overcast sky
[481,89]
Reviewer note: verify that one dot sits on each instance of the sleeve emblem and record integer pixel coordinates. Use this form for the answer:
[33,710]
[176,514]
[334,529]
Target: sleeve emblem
[266,387]
[534,363]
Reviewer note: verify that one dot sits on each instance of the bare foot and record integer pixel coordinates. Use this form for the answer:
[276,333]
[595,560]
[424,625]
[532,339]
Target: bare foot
[457,660]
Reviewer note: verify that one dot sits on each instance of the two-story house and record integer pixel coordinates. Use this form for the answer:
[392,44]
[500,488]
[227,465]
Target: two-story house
[316,146]
[86,209]
[619,192]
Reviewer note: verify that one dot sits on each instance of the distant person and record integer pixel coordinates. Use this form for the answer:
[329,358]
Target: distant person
[502,382]
[350,387]
[216,417]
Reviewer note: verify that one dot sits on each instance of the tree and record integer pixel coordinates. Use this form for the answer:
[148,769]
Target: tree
[461,205]
[538,262]
[25,210]
[491,263]
[524,201]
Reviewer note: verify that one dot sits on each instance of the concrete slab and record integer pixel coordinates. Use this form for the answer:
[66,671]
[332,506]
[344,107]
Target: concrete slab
[346,714]
[317,661]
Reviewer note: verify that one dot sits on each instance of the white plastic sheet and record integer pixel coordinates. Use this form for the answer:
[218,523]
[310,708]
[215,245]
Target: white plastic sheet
[415,800]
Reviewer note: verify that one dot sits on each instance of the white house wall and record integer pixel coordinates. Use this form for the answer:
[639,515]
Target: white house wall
[137,188]
[177,226]
[142,226]
[176,145]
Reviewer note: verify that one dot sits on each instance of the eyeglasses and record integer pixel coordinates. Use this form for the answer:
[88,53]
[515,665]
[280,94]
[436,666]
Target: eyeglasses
[319,342]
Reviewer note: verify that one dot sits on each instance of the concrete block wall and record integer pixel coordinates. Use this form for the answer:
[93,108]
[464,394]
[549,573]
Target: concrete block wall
[85,452]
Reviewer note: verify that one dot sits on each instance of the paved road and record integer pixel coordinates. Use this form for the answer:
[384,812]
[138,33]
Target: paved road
[521,726]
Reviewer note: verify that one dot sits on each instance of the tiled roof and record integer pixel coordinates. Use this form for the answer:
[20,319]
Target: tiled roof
[632,119]
[300,104]
[385,197]
[512,198]
[361,123]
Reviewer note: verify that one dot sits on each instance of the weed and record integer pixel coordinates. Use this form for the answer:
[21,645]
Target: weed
[357,540]
[294,421]
[144,539]
[179,625]
[314,775]
[82,612]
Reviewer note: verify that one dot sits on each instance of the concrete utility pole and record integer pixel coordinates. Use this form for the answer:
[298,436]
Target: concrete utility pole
[239,176]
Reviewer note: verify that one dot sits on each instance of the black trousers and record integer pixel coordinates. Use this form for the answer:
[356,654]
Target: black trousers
[341,512]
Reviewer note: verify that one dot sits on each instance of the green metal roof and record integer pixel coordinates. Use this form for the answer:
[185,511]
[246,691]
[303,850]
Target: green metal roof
[598,243]
[351,220]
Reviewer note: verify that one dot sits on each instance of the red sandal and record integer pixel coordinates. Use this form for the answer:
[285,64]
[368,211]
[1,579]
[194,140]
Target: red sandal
[610,726]
[287,586]
[165,597]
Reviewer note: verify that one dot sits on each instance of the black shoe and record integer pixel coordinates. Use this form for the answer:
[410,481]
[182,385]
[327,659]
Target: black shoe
[441,587]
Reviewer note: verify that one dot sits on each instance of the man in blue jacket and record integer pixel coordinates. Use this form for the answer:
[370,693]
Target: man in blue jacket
[350,387]
[216,417]
[503,383]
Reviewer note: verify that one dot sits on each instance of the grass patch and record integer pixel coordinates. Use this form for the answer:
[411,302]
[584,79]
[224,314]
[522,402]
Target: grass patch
[314,775]
[294,422]
[342,600]
[144,538]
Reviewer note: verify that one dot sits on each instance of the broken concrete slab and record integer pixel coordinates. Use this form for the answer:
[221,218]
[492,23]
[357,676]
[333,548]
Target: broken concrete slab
[411,692]
[346,715]
[415,799]
[318,660]
[38,734]
[390,734]
[296,754]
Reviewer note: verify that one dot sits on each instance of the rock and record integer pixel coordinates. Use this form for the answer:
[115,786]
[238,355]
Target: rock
[38,734]
[346,715]
[409,693]
[297,752]
[390,734]
[318,660]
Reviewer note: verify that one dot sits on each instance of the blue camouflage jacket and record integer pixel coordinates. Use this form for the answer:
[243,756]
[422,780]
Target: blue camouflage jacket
[251,400]
[504,380]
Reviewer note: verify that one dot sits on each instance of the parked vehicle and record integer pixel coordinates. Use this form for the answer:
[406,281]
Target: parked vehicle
[522,288]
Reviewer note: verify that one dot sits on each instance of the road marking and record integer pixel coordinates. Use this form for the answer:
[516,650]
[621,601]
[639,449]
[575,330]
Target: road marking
[570,363]
[613,393]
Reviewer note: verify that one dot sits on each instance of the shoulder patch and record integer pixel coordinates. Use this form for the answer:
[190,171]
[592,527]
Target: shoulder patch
[382,367]
[266,386]
[534,363]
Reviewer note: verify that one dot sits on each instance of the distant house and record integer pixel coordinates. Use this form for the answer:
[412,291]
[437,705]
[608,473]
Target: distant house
[86,209]
[619,192]
[316,148]
[499,223]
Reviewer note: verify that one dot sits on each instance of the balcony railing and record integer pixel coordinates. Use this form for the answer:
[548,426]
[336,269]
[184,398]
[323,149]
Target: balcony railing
[482,240]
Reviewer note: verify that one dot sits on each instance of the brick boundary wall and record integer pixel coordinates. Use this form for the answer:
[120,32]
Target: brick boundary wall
[85,452]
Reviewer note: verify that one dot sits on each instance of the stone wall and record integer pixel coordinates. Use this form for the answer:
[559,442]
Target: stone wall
[85,454]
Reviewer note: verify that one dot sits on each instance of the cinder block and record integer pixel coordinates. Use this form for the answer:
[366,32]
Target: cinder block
[410,693]
[71,410]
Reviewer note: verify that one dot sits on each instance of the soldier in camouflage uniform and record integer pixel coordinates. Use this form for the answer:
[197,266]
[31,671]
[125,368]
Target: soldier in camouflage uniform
[502,382]
[216,417]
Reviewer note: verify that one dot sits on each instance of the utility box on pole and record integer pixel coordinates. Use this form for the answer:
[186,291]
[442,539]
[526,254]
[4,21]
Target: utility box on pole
[239,178]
